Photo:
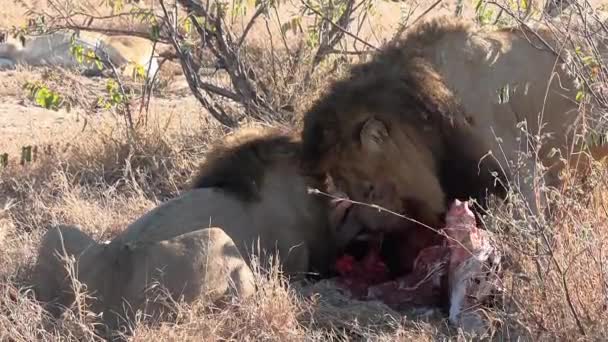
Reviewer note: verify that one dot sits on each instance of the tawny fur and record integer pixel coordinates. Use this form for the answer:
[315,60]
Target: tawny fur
[126,53]
[238,164]
[51,277]
[274,215]
[252,187]
[120,279]
[409,129]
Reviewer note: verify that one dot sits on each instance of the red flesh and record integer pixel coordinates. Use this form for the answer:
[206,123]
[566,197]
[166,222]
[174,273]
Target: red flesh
[369,278]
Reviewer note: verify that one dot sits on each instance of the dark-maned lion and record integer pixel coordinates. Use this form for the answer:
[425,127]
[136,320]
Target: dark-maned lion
[251,187]
[411,129]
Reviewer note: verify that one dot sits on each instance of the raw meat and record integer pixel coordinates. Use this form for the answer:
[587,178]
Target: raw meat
[466,259]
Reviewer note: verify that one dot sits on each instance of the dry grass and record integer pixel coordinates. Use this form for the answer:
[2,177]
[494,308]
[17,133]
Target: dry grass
[556,285]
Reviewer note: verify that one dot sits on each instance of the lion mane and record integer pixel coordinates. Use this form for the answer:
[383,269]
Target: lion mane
[417,98]
[254,153]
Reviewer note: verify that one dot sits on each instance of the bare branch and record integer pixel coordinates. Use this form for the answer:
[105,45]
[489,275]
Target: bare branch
[422,15]
[104,58]
[109,31]
[242,77]
[343,30]
[191,76]
[263,8]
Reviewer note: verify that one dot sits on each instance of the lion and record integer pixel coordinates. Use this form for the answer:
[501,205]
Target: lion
[251,186]
[438,115]
[203,263]
[60,48]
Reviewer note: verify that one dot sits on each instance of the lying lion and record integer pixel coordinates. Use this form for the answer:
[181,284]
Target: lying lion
[60,48]
[437,115]
[251,186]
[203,263]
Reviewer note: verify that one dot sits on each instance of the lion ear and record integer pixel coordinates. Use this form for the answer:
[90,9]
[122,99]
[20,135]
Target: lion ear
[373,134]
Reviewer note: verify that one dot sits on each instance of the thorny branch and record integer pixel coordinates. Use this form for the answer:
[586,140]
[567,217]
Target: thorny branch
[337,32]
[220,42]
[192,76]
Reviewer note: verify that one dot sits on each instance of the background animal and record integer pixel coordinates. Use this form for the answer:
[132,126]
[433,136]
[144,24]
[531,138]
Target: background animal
[428,120]
[126,53]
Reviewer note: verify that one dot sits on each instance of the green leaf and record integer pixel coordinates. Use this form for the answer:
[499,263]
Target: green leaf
[139,71]
[580,95]
[41,97]
[155,32]
[294,24]
[313,39]
[187,25]
[524,4]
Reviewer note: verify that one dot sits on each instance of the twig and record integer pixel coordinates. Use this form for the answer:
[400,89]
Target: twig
[526,26]
[430,8]
[109,31]
[380,208]
[350,53]
[112,16]
[127,114]
[242,77]
[263,8]
[343,30]
[546,44]
[193,82]
[564,281]
[426,11]
[149,84]
[283,38]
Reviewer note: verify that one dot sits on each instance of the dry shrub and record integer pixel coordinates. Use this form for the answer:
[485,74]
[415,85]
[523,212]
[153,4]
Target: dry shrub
[556,288]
